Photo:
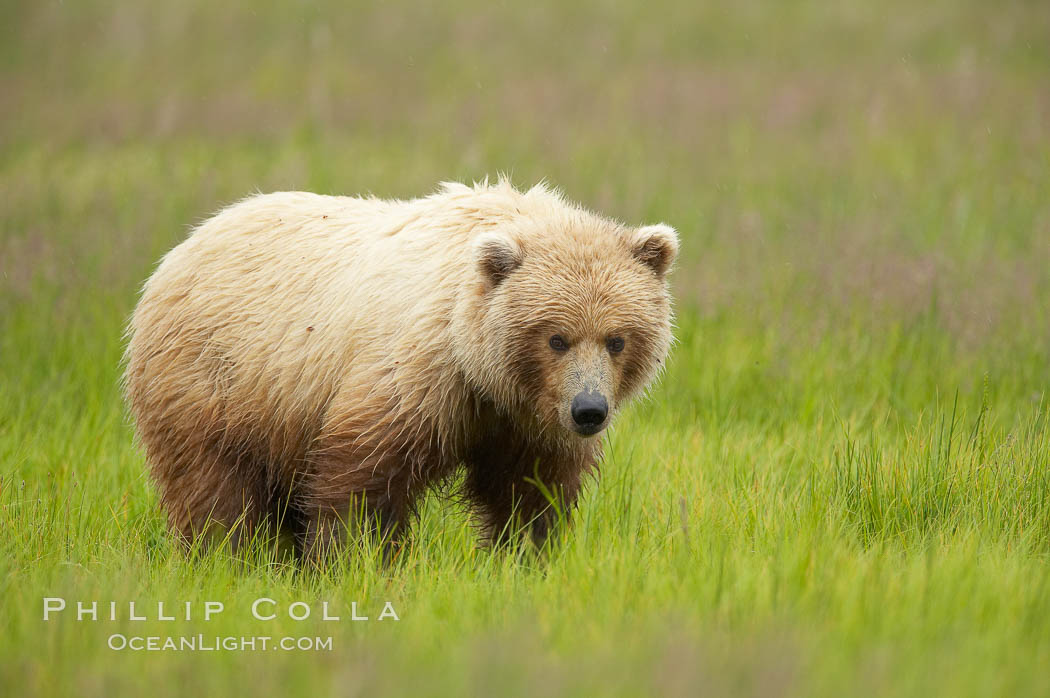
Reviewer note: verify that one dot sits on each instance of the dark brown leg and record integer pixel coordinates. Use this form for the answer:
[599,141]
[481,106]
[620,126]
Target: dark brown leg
[523,489]
[212,496]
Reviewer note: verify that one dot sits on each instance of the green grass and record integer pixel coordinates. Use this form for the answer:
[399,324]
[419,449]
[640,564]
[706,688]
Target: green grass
[840,487]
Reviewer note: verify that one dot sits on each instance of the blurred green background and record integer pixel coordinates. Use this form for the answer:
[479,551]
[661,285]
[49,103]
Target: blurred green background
[841,485]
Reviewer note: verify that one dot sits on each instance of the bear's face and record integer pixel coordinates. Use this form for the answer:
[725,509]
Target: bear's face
[580,317]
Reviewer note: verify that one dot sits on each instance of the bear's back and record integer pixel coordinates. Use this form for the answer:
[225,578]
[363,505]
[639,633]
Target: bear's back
[254,321]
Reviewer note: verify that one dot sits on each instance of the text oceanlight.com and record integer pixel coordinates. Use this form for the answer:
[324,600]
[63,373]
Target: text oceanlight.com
[229,643]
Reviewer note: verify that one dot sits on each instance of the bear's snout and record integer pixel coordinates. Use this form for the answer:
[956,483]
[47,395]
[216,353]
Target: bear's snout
[589,410]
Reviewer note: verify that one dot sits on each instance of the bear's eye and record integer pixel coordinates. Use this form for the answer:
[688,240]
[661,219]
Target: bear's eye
[558,343]
[614,344]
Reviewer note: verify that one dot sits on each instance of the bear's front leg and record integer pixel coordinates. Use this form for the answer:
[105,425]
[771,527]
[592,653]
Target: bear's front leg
[524,490]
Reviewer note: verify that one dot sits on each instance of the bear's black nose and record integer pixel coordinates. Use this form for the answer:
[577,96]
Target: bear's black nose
[589,409]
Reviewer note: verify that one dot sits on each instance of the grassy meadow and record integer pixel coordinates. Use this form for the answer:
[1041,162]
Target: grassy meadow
[841,485]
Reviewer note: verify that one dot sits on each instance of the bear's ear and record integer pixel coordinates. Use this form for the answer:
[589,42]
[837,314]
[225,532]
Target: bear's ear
[656,246]
[496,256]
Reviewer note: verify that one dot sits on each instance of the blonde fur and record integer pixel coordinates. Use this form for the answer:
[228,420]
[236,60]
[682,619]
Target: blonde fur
[329,351]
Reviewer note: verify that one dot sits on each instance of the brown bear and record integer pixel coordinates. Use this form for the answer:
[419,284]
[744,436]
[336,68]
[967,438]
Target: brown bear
[302,357]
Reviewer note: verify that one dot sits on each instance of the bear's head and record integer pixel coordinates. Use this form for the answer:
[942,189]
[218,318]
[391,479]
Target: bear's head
[571,317]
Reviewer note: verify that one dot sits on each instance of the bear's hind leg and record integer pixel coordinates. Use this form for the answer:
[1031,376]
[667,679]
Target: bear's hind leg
[213,496]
